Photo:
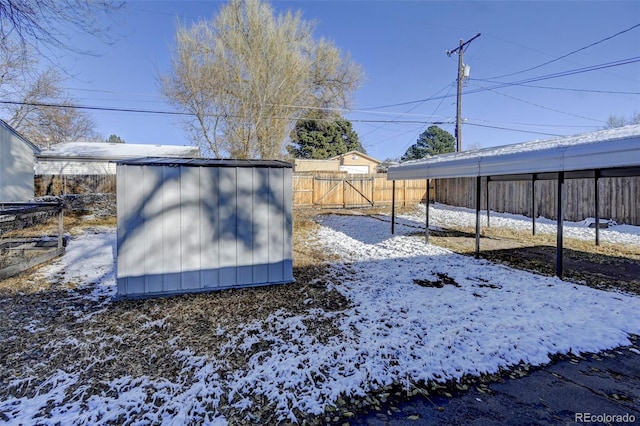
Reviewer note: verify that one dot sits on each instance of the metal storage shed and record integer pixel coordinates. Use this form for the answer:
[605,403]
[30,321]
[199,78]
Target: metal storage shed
[605,153]
[17,155]
[194,225]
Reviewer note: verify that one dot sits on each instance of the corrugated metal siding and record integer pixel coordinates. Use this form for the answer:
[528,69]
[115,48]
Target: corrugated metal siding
[71,167]
[184,228]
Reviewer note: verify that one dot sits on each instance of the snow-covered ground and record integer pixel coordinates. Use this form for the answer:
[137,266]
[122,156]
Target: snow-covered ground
[443,216]
[395,331]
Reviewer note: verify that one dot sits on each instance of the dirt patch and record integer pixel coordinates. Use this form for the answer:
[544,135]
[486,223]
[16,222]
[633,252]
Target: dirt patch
[606,267]
[443,279]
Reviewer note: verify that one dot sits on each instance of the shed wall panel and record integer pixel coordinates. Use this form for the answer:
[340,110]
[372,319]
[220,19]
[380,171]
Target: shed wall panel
[209,214]
[261,233]
[245,226]
[192,228]
[227,226]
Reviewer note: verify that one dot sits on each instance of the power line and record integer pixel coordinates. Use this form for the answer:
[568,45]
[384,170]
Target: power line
[568,54]
[525,81]
[532,124]
[541,106]
[562,74]
[430,98]
[512,130]
[568,89]
[95,108]
[450,85]
[177,113]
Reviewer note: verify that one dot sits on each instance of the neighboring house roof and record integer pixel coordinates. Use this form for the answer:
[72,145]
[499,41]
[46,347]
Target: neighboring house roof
[116,151]
[31,145]
[358,153]
[604,149]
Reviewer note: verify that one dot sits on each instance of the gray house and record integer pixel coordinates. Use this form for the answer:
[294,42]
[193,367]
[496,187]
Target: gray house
[17,157]
[194,225]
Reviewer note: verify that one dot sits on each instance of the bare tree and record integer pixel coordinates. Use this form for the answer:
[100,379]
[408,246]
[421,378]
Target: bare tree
[245,76]
[39,25]
[617,121]
[29,31]
[38,116]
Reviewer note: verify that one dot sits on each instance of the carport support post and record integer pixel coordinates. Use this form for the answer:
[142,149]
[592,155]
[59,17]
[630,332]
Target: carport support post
[60,228]
[597,206]
[559,227]
[486,196]
[533,204]
[478,198]
[393,207]
[426,219]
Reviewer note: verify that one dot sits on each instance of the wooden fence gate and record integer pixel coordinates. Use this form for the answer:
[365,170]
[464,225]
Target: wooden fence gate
[352,191]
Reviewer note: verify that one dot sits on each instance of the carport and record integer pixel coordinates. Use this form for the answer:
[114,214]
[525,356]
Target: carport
[595,155]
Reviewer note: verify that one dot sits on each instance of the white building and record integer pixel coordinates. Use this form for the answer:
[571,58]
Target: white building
[97,158]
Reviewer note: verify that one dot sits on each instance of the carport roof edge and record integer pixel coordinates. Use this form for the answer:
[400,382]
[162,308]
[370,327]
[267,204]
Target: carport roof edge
[604,149]
[203,162]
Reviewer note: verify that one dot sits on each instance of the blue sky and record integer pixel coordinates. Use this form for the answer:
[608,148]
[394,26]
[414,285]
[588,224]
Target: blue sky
[401,46]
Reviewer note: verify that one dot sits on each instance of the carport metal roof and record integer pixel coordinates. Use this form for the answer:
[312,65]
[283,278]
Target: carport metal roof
[605,153]
[614,151]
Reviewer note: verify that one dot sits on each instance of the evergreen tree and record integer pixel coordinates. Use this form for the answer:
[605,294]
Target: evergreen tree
[432,141]
[321,136]
[115,139]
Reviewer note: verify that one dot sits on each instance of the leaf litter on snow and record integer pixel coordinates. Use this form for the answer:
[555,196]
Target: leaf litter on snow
[293,352]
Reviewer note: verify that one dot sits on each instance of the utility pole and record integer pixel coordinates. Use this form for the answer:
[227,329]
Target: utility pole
[460,51]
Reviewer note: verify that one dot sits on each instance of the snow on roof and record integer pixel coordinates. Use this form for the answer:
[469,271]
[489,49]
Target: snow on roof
[610,148]
[116,151]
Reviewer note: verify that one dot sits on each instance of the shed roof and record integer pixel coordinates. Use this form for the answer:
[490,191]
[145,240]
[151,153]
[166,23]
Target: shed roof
[116,151]
[204,162]
[616,151]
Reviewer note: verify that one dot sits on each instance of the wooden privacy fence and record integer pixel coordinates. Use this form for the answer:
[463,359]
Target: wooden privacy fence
[350,190]
[619,198]
[325,190]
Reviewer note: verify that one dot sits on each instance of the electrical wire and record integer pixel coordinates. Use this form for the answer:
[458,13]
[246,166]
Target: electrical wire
[568,54]
[177,113]
[512,130]
[525,81]
[568,89]
[540,106]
